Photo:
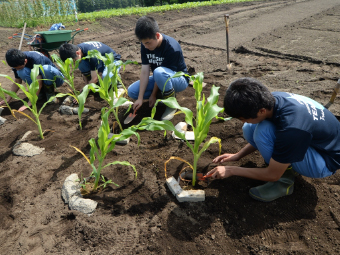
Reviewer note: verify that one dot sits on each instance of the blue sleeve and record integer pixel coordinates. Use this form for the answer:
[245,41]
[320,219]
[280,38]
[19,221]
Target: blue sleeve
[291,145]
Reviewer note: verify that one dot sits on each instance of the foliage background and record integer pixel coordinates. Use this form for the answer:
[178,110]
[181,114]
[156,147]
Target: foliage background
[37,12]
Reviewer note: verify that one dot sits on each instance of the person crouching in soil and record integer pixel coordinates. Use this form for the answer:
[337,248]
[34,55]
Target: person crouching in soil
[163,55]
[22,63]
[293,133]
[88,67]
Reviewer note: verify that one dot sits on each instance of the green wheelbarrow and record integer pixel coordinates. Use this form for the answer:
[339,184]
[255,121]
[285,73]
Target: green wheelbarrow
[46,41]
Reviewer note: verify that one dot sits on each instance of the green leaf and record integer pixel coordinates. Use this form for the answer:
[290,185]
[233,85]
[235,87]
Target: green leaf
[124,163]
[172,103]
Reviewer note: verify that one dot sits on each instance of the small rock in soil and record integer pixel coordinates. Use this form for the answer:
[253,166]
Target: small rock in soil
[67,110]
[75,110]
[83,205]
[27,150]
[2,120]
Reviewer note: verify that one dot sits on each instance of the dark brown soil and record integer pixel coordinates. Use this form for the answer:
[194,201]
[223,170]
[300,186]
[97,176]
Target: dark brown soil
[289,45]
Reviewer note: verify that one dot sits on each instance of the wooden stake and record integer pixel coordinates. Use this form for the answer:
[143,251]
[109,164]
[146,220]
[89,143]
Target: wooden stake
[22,36]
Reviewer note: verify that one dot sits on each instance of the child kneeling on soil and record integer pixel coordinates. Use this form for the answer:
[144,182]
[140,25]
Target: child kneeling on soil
[88,67]
[163,55]
[23,62]
[293,133]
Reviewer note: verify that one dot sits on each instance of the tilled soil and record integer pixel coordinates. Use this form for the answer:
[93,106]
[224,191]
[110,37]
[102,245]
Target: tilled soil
[289,45]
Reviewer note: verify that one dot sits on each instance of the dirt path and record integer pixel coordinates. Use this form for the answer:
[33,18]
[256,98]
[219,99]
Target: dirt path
[290,45]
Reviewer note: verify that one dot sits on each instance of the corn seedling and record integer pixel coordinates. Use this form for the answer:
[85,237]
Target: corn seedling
[67,68]
[103,146]
[206,110]
[3,97]
[107,87]
[31,93]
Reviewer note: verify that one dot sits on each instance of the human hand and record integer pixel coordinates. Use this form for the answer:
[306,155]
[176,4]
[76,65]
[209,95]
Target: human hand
[225,158]
[219,172]
[138,103]
[4,102]
[75,100]
[22,108]
[152,100]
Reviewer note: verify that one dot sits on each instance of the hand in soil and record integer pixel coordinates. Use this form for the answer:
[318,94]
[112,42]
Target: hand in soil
[138,103]
[225,158]
[219,172]
[22,108]
[152,100]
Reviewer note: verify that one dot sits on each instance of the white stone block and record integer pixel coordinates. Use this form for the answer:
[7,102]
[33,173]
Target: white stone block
[83,205]
[182,128]
[2,120]
[123,142]
[70,188]
[191,196]
[173,185]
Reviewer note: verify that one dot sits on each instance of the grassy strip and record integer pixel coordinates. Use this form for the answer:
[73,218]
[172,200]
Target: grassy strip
[19,20]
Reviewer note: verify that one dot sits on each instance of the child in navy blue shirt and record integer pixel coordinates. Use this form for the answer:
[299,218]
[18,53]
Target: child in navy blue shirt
[162,55]
[23,62]
[293,133]
[88,67]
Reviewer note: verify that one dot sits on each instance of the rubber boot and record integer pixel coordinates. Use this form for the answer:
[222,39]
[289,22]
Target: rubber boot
[273,190]
[49,92]
[169,112]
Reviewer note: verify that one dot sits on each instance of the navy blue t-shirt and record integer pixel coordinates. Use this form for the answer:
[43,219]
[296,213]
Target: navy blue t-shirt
[169,54]
[34,58]
[301,123]
[96,64]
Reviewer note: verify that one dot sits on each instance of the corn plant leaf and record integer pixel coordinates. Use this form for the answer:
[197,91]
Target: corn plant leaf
[124,163]
[172,103]
[198,81]
[104,131]
[8,92]
[94,150]
[213,97]
[50,100]
[176,75]
[82,153]
[208,143]
[152,125]
[126,133]
[26,115]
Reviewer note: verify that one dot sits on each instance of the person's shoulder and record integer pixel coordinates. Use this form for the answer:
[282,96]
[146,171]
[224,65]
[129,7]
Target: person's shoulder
[169,38]
[33,54]
[81,44]
[172,43]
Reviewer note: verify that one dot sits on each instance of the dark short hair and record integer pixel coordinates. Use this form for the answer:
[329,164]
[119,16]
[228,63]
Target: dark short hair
[146,28]
[68,50]
[245,97]
[15,57]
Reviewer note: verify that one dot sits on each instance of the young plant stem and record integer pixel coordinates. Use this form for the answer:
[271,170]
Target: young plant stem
[107,87]
[67,68]
[206,110]
[31,93]
[196,157]
[104,145]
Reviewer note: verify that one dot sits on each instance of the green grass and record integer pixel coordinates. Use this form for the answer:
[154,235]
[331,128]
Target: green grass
[68,19]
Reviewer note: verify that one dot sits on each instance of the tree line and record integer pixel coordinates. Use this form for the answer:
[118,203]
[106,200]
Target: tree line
[95,5]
